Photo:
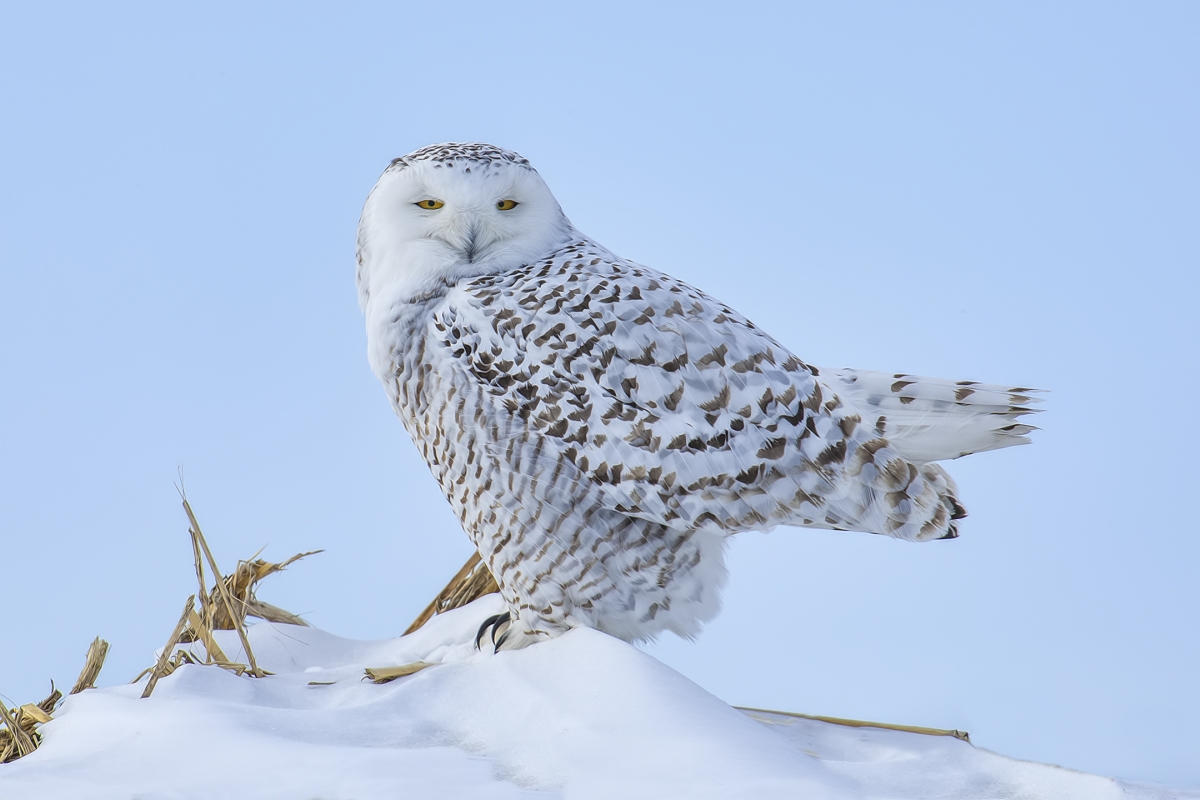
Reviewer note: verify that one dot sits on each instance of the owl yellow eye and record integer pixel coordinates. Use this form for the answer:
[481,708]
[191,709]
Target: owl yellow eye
[506,205]
[429,204]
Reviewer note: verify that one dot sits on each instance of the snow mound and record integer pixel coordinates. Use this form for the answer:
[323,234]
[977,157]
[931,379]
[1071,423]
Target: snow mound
[582,716]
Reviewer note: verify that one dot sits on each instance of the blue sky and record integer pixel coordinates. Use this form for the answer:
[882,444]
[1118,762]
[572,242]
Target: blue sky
[998,192]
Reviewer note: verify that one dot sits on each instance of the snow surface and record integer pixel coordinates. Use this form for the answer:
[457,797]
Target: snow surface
[582,716]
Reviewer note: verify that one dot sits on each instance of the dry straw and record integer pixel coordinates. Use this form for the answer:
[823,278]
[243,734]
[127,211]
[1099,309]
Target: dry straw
[18,727]
[92,664]
[473,581]
[388,674]
[224,607]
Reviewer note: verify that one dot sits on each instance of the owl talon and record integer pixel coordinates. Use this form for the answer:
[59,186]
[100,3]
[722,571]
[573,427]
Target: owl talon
[495,622]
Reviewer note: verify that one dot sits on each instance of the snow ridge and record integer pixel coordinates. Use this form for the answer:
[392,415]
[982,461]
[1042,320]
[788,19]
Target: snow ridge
[582,716]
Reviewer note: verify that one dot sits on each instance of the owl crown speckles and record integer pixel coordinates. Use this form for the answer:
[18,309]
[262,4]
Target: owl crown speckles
[600,428]
[447,153]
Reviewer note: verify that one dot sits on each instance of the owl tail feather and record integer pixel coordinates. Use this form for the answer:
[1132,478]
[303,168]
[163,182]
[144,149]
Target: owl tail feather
[932,419]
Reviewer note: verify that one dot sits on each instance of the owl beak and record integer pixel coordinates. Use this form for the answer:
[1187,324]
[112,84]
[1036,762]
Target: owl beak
[472,236]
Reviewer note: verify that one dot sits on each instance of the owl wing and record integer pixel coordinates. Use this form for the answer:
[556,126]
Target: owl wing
[678,409]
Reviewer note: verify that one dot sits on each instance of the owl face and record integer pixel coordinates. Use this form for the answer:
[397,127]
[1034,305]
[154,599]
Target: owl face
[448,212]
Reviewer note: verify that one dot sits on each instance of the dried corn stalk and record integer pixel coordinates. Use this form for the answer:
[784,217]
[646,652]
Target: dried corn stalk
[161,669]
[473,581]
[17,736]
[91,666]
[223,607]
[18,726]
[241,585]
[388,674]
[207,605]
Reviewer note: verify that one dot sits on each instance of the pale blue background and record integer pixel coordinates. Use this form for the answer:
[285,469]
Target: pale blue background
[1000,192]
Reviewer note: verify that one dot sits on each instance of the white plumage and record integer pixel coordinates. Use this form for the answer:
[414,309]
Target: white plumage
[600,428]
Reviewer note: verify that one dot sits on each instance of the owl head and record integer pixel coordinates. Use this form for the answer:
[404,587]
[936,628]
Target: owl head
[452,211]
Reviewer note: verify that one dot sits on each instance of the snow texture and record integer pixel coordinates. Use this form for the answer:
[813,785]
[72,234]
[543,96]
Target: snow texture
[581,716]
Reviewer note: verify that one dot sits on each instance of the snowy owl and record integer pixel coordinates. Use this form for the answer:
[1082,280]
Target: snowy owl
[601,428]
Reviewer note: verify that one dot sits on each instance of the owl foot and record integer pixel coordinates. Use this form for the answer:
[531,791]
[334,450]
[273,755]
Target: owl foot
[500,625]
[505,636]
